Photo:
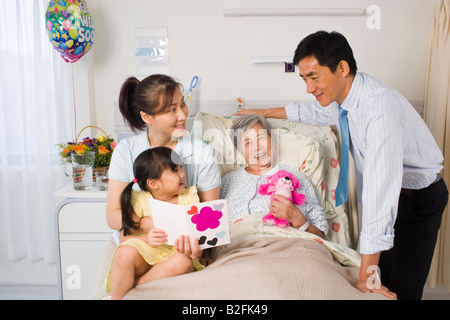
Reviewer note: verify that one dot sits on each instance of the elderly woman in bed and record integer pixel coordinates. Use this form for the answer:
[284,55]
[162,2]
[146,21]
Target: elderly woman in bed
[252,136]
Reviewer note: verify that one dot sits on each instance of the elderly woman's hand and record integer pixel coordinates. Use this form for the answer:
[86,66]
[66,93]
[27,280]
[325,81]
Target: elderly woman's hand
[282,208]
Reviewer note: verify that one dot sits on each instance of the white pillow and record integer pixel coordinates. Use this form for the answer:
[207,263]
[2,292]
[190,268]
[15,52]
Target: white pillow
[303,153]
[214,131]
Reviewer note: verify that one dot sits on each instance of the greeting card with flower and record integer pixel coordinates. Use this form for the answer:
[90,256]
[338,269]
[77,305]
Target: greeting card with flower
[207,221]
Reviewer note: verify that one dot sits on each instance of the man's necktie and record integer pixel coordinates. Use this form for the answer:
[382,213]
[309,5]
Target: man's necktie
[341,192]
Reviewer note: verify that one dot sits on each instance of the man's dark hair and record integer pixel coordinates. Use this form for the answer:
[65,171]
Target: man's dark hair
[328,48]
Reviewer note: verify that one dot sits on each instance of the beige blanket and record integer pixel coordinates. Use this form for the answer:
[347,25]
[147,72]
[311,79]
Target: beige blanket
[262,268]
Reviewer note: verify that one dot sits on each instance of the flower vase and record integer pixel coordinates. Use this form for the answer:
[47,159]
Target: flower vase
[100,170]
[82,170]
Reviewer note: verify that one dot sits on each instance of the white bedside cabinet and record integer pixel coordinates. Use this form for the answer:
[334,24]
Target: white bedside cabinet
[83,235]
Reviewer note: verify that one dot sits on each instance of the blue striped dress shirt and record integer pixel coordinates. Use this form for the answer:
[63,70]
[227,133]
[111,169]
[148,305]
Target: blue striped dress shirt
[392,148]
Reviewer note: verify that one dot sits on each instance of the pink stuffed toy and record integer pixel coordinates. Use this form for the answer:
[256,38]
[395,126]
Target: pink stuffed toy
[283,183]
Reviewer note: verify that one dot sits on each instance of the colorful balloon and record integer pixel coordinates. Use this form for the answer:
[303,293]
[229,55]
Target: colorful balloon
[70,28]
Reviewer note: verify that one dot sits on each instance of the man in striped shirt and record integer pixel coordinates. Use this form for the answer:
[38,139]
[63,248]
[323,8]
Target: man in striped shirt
[403,195]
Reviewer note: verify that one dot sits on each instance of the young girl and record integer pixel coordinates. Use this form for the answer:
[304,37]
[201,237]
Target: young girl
[144,257]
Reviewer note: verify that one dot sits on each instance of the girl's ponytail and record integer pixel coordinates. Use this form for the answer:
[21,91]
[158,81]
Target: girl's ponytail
[128,223]
[127,105]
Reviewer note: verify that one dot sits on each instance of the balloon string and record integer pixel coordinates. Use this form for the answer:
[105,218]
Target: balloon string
[74,103]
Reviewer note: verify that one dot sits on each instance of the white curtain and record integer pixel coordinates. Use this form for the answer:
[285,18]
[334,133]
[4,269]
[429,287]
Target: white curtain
[437,117]
[34,117]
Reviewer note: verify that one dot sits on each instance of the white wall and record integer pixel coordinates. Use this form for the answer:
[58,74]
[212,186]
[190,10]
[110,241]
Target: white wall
[203,42]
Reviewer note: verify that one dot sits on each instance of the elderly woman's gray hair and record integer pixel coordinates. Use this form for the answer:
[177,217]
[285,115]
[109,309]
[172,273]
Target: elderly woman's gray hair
[244,123]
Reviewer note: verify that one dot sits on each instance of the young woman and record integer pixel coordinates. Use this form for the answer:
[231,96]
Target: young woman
[156,107]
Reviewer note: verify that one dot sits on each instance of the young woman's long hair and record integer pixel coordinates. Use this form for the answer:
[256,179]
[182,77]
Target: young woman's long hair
[152,95]
[149,165]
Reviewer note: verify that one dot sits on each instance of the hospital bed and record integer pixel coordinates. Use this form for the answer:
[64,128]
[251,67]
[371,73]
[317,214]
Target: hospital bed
[266,262]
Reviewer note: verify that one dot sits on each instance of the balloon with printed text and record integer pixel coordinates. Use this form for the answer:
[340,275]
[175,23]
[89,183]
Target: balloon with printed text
[70,28]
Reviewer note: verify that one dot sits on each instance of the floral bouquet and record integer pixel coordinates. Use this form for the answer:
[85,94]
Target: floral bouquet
[101,145]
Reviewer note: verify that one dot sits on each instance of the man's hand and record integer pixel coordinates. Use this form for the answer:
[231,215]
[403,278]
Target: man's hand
[368,280]
[364,286]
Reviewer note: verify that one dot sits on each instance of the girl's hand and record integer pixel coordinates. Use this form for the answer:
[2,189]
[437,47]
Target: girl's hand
[157,237]
[183,245]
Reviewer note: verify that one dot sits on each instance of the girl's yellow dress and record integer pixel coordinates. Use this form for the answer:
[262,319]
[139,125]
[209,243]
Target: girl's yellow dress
[154,255]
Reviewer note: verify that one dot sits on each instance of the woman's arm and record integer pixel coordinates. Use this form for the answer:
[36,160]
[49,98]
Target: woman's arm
[145,225]
[298,222]
[209,195]
[314,212]
[113,209]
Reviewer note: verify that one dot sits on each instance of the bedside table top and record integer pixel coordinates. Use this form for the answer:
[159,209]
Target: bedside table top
[67,191]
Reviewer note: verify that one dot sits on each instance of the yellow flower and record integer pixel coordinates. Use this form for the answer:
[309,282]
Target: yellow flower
[101,139]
